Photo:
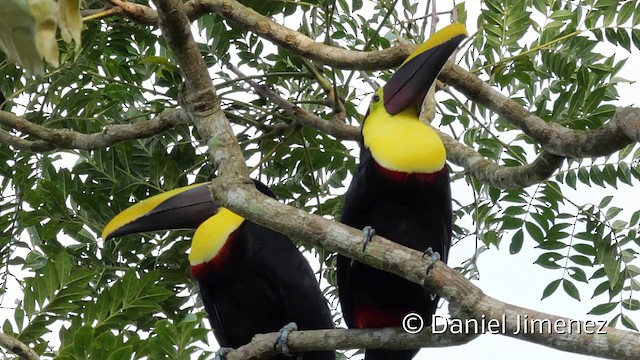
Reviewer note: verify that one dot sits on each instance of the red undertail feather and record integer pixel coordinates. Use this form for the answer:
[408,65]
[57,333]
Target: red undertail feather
[366,317]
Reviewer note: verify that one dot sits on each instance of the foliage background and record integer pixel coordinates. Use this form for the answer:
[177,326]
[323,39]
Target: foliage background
[132,297]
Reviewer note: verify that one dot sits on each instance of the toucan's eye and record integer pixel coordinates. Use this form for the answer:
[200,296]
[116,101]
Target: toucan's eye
[375,98]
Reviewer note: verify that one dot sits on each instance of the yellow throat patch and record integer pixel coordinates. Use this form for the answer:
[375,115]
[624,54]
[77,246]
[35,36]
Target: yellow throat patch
[211,236]
[401,142]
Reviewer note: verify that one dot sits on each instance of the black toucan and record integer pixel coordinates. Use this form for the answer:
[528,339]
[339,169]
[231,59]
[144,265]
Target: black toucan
[401,190]
[252,279]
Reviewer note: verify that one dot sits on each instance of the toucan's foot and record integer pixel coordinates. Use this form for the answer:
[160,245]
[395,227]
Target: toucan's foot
[281,342]
[221,354]
[366,238]
[434,255]
[368,234]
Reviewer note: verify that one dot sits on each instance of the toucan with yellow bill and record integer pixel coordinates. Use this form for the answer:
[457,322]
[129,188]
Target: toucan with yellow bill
[252,279]
[400,191]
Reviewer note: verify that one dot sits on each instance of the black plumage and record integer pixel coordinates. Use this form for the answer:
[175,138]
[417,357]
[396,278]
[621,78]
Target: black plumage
[256,282]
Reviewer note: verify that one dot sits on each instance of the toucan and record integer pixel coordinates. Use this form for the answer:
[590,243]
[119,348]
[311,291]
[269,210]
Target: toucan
[400,191]
[252,279]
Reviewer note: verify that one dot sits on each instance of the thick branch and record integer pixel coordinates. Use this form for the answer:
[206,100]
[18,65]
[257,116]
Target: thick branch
[279,34]
[68,139]
[543,167]
[176,28]
[553,137]
[298,43]
[383,254]
[261,346]
[629,121]
[17,347]
[207,114]
[22,144]
[138,13]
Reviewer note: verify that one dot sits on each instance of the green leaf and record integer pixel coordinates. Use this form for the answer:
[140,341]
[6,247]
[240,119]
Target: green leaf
[612,212]
[596,176]
[548,260]
[534,231]
[631,304]
[35,260]
[577,274]
[63,267]
[103,345]
[635,35]
[614,321]
[625,12]
[603,308]
[605,201]
[584,176]
[516,242]
[123,352]
[628,322]
[570,289]
[594,99]
[562,15]
[83,340]
[600,273]
[571,179]
[607,255]
[550,289]
[511,223]
[551,245]
[585,249]
[624,39]
[581,260]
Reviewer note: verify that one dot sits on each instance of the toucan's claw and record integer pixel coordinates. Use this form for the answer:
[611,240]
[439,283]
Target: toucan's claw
[434,255]
[221,354]
[281,346]
[368,234]
[366,238]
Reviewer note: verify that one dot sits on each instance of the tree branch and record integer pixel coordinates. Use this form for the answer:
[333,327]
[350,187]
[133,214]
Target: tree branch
[261,346]
[467,300]
[22,144]
[628,120]
[553,137]
[17,347]
[138,13]
[200,97]
[475,164]
[53,139]
[542,168]
[303,117]
[289,39]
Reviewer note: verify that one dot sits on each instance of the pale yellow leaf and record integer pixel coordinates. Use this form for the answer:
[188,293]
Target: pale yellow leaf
[17,35]
[70,21]
[45,13]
